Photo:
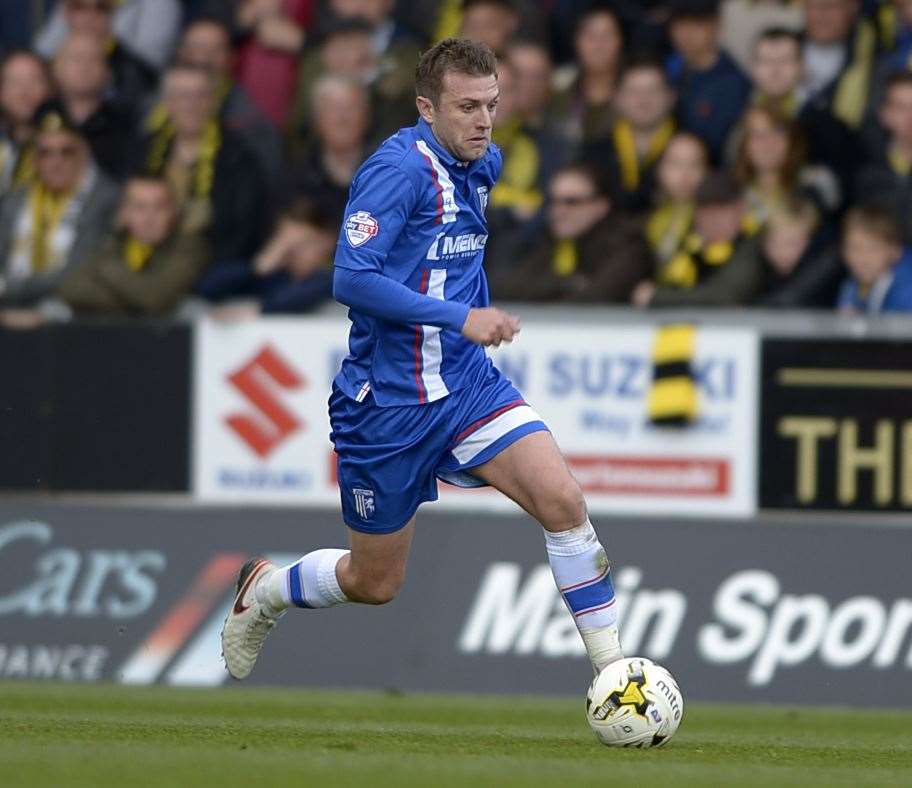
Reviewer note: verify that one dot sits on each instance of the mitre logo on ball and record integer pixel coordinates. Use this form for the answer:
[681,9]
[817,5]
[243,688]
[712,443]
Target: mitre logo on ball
[360,227]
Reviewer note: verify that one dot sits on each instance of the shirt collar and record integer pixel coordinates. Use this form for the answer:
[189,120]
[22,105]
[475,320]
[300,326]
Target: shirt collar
[426,133]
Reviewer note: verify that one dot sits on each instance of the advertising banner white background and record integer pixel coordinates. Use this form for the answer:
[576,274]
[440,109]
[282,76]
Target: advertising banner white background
[261,427]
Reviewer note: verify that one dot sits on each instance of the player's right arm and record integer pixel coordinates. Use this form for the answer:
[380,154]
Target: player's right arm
[382,200]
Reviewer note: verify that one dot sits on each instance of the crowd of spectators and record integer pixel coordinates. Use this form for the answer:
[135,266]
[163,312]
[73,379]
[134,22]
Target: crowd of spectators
[158,155]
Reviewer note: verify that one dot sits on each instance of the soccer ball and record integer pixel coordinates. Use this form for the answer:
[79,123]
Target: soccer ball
[634,703]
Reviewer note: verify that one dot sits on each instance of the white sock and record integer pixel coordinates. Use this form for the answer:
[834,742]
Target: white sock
[310,582]
[583,574]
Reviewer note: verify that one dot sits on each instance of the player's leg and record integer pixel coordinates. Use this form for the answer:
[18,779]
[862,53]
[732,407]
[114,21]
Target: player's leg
[532,472]
[370,572]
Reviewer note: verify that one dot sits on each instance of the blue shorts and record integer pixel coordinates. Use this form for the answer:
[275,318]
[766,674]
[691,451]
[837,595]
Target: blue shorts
[389,459]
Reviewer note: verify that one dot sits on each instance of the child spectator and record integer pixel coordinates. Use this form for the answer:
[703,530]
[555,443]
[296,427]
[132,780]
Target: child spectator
[584,105]
[717,265]
[25,84]
[589,253]
[888,174]
[771,164]
[291,274]
[643,128]
[146,266]
[800,263]
[680,172]
[712,90]
[880,267]
[49,227]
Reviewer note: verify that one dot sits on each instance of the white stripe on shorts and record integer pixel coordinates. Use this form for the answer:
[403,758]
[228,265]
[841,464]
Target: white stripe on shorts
[485,435]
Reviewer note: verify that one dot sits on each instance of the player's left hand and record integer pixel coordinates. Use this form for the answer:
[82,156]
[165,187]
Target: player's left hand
[490,327]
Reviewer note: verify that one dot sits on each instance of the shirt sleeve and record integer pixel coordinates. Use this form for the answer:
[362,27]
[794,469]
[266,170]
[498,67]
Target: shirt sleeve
[381,201]
[379,296]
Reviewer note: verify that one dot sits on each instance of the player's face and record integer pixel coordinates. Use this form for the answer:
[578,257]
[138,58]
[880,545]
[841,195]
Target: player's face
[464,115]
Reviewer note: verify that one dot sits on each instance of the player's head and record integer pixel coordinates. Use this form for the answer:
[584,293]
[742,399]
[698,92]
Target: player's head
[457,92]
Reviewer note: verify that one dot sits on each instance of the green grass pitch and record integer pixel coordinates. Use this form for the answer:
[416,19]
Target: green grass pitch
[76,735]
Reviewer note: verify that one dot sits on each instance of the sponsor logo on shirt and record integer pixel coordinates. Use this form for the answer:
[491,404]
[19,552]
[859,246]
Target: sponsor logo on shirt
[448,246]
[360,227]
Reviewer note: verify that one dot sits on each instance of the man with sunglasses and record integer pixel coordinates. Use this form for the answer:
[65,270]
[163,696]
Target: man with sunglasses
[588,253]
[49,226]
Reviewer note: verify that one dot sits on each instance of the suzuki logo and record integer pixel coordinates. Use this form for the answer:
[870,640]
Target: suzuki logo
[257,381]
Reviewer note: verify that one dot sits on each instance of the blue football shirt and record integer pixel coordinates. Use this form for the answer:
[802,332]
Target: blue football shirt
[416,214]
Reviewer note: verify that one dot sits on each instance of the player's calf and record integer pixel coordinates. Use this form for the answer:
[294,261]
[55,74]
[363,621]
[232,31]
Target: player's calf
[582,572]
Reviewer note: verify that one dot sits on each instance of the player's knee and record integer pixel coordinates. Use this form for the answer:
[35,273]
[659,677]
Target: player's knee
[563,506]
[378,590]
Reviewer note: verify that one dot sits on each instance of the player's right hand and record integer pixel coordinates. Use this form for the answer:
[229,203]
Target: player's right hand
[490,326]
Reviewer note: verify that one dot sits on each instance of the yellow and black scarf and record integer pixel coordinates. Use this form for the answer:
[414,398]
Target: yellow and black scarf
[47,210]
[204,168]
[136,254]
[517,186]
[629,161]
[668,226]
[696,259]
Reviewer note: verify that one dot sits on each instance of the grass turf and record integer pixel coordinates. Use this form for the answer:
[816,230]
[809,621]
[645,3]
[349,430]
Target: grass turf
[103,735]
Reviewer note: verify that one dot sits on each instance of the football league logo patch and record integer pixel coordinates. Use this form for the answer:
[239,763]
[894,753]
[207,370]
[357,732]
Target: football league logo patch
[360,227]
[364,502]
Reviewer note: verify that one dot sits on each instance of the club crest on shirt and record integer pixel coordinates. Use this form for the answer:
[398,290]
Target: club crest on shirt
[483,197]
[364,502]
[360,227]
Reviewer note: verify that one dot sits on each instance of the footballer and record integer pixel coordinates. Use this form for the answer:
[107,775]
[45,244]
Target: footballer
[417,399]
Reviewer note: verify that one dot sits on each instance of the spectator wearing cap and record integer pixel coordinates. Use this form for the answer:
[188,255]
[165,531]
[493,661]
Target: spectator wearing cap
[712,90]
[887,172]
[81,75]
[148,28]
[777,73]
[25,84]
[583,101]
[838,52]
[679,173]
[644,124]
[341,121]
[274,33]
[50,227]
[132,77]
[206,44]
[710,268]
[291,274]
[880,266]
[771,165]
[146,266]
[216,179]
[588,253]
